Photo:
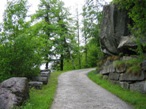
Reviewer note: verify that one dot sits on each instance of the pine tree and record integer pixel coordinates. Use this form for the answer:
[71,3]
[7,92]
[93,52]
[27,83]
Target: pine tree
[57,28]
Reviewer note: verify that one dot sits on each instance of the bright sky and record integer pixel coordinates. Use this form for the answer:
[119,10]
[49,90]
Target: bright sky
[71,4]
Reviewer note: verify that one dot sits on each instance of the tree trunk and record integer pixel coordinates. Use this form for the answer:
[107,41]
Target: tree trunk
[61,62]
[47,63]
[78,35]
[86,53]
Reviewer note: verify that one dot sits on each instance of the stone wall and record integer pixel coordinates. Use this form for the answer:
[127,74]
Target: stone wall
[120,76]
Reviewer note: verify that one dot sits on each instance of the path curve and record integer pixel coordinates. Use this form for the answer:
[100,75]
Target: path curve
[76,91]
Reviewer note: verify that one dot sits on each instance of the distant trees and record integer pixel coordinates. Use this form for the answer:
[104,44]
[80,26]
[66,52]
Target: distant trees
[91,21]
[50,35]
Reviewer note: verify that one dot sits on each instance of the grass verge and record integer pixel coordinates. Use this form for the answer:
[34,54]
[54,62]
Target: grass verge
[136,99]
[43,99]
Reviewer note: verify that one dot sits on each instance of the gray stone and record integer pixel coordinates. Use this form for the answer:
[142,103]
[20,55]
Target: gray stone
[127,43]
[114,76]
[45,74]
[131,77]
[143,65]
[107,69]
[41,79]
[46,70]
[139,86]
[104,71]
[13,92]
[114,26]
[125,85]
[35,84]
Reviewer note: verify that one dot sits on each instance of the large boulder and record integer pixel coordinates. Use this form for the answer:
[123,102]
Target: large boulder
[13,92]
[114,26]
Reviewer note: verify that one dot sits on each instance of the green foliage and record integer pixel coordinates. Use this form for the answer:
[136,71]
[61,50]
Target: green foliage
[137,100]
[119,64]
[56,22]
[43,99]
[91,28]
[21,50]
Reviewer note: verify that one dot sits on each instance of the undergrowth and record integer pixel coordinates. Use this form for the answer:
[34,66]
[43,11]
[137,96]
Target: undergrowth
[43,99]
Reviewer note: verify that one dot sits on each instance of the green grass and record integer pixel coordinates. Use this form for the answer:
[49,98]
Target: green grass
[134,98]
[43,99]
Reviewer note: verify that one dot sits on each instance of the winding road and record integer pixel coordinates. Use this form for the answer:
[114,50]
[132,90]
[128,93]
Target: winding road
[76,91]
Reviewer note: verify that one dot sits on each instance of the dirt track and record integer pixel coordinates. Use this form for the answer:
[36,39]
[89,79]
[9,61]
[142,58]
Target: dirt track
[76,91]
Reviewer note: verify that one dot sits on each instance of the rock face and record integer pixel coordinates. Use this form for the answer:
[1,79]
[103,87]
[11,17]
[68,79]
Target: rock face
[114,27]
[13,92]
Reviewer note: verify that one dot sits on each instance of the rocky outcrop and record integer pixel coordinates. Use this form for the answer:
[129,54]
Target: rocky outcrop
[127,80]
[13,92]
[115,35]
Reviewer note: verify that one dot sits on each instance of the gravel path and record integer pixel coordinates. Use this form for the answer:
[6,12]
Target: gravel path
[76,91]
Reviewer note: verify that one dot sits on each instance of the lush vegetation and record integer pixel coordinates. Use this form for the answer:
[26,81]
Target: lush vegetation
[49,35]
[43,99]
[52,35]
[20,49]
[134,98]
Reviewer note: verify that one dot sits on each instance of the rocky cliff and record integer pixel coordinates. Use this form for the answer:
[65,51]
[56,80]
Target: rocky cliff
[115,39]
[115,36]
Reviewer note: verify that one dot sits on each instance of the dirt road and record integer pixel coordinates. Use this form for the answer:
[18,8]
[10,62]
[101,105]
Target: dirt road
[76,91]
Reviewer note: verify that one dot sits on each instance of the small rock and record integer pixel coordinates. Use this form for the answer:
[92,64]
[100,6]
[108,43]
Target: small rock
[36,84]
[143,65]
[45,74]
[41,79]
